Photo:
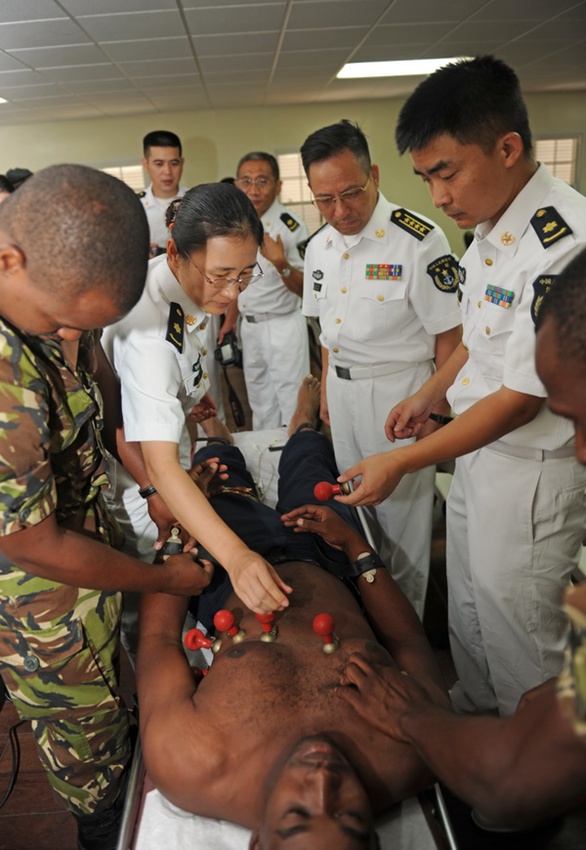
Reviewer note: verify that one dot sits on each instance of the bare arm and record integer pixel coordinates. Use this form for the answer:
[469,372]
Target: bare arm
[60,554]
[172,730]
[274,251]
[486,421]
[514,771]
[253,579]
[446,344]
[129,454]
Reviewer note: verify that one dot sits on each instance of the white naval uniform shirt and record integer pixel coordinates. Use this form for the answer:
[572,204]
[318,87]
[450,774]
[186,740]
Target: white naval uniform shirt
[157,352]
[378,295]
[508,268]
[155,209]
[269,294]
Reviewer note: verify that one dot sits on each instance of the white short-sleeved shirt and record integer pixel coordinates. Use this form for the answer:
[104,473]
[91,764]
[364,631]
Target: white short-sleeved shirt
[157,351]
[155,209]
[382,295]
[508,269]
[269,294]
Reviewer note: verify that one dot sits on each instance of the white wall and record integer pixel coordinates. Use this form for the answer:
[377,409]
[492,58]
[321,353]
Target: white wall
[213,141]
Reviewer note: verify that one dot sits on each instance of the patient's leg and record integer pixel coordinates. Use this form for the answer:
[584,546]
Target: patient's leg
[307,458]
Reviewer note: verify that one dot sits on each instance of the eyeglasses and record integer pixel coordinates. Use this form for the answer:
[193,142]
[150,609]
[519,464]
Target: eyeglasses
[350,196]
[227,282]
[261,182]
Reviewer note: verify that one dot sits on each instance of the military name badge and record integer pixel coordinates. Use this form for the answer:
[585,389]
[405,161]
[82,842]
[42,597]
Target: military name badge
[383,271]
[409,222]
[549,226]
[541,287]
[497,295]
[446,273]
[175,326]
[290,222]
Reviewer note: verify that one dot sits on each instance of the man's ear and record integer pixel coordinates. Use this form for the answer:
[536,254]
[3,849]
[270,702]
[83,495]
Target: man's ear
[12,259]
[513,149]
[255,840]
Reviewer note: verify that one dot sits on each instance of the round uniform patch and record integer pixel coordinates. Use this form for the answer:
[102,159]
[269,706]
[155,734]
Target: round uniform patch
[446,273]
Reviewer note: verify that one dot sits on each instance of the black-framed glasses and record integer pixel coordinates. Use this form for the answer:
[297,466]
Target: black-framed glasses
[350,196]
[261,182]
[227,282]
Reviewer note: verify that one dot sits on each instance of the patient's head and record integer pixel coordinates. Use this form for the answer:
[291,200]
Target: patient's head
[314,799]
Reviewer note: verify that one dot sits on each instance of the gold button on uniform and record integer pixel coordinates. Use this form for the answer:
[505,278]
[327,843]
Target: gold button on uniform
[204,351]
[346,256]
[479,304]
[465,382]
[205,374]
[338,321]
[203,326]
[487,329]
[488,261]
[344,290]
[335,350]
[380,297]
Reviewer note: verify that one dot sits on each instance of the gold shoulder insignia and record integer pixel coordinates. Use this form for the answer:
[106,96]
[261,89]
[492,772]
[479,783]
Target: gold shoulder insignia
[549,226]
[175,326]
[541,287]
[409,222]
[141,194]
[290,222]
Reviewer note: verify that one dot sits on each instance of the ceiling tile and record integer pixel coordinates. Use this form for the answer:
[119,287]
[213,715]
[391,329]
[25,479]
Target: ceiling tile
[339,13]
[32,10]
[235,19]
[40,34]
[47,57]
[133,25]
[151,48]
[162,67]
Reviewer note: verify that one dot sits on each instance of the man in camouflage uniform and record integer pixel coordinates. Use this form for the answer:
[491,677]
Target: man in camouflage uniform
[61,276]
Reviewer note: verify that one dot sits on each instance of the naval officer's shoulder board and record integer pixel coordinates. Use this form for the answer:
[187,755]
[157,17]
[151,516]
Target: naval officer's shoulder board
[413,224]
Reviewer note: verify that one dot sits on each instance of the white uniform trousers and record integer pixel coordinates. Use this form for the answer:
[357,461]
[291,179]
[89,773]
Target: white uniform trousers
[401,525]
[514,531]
[275,350]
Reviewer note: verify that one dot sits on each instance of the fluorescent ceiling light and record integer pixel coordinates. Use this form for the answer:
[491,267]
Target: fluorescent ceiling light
[407,68]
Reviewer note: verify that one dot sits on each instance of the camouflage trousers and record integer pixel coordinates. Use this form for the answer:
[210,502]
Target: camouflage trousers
[59,650]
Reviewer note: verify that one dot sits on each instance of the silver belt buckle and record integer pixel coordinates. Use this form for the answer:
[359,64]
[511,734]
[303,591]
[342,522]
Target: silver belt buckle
[344,373]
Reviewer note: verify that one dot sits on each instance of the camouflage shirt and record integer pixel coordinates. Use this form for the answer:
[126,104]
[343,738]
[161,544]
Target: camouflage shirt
[51,458]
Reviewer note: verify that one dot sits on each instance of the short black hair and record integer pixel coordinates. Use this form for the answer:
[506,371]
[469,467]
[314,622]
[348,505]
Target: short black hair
[260,156]
[160,139]
[96,235]
[332,140]
[473,100]
[565,305]
[210,210]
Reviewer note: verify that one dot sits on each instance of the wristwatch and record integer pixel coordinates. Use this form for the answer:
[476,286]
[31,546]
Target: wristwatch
[286,271]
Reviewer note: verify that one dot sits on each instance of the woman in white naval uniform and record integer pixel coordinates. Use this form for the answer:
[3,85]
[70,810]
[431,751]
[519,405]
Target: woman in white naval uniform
[156,352]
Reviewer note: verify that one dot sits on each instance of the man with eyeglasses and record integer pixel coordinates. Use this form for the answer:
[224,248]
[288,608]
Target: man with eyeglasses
[275,344]
[383,283]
